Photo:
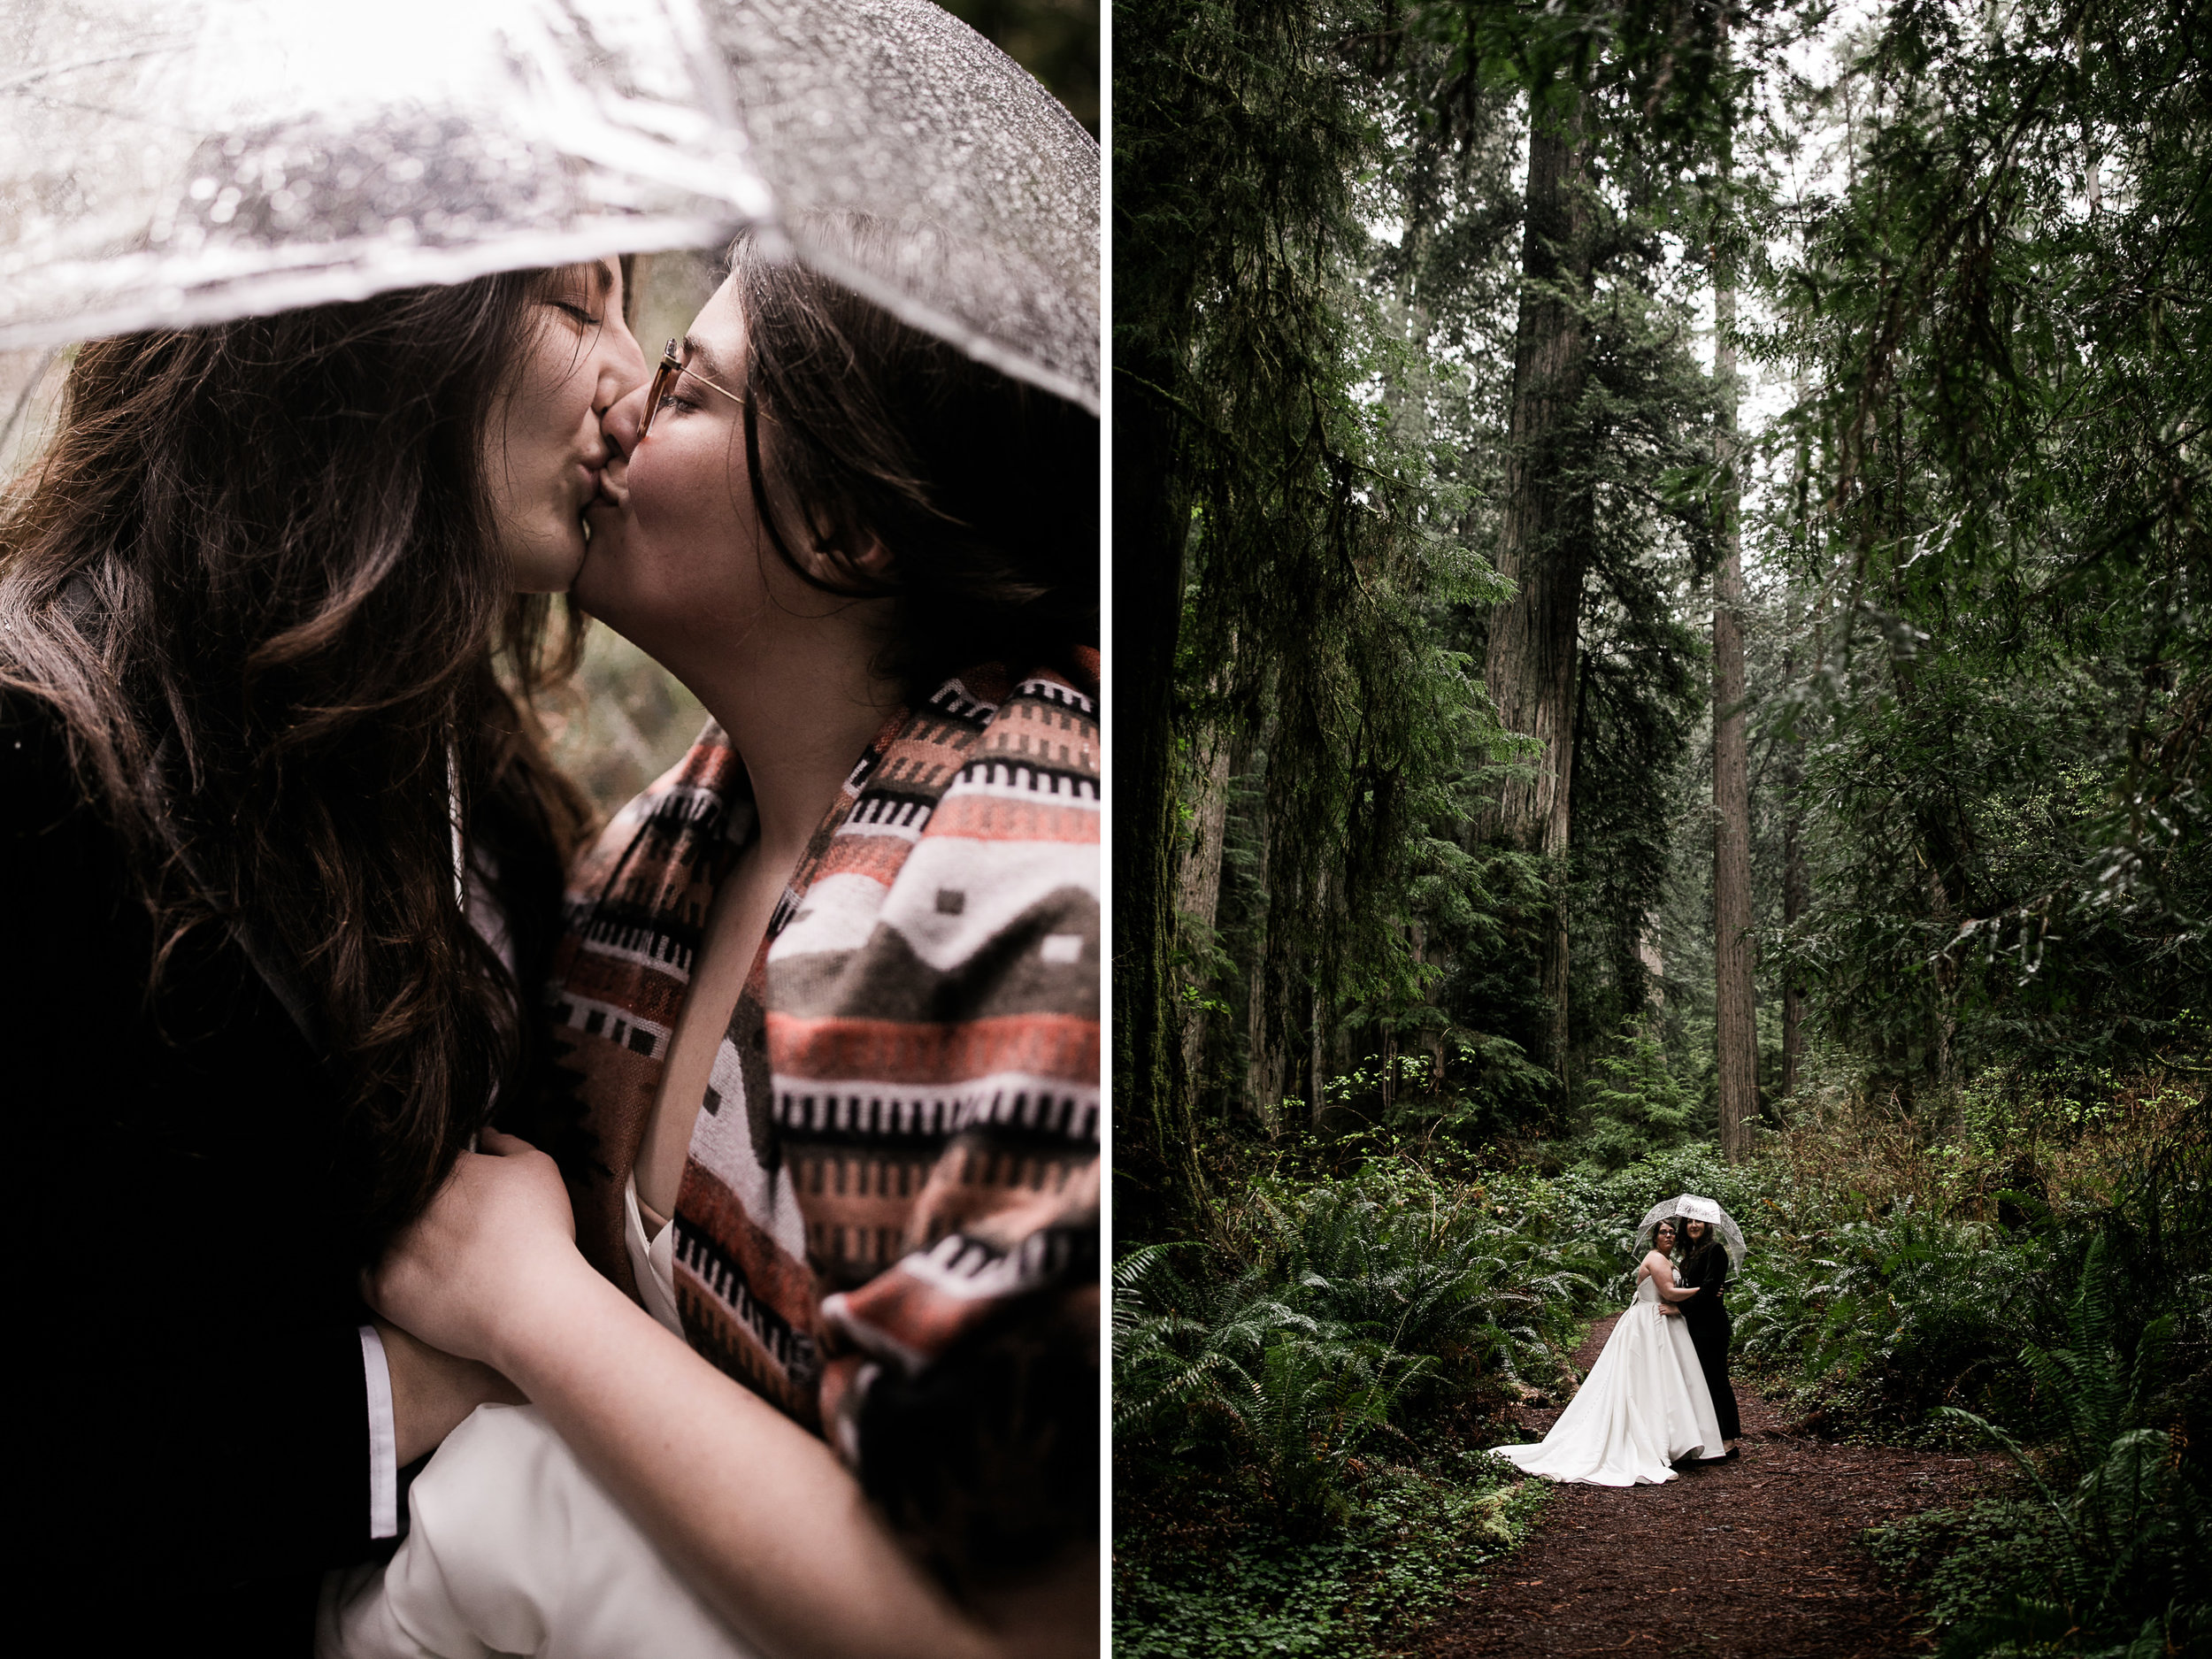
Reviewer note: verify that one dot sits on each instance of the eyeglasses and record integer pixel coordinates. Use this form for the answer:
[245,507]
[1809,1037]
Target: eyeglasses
[663,378]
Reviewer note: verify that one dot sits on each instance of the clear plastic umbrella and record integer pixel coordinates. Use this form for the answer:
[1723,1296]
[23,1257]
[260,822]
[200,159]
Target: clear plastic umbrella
[175,161]
[1690,1207]
[898,109]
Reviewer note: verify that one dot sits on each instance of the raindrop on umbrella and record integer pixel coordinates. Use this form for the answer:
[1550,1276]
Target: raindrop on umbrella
[178,162]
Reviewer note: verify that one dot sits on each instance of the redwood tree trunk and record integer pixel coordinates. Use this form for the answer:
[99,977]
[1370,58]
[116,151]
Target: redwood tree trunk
[1198,878]
[1736,1009]
[1156,1172]
[1793,895]
[1264,1019]
[1316,1066]
[1544,541]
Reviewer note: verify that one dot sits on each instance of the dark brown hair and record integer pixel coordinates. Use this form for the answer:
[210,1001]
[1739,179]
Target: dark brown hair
[256,576]
[1694,1250]
[984,489]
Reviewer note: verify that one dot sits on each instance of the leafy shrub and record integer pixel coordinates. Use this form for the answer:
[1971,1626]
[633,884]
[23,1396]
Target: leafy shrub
[1483,1288]
[2128,1535]
[1413,1541]
[1959,1561]
[1233,1370]
[1353,1300]
[1636,1108]
[1886,1320]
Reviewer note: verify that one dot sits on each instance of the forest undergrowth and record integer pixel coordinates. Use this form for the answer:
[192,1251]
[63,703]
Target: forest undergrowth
[2021,1265]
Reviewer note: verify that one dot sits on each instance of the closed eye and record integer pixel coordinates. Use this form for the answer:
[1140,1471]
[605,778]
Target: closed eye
[576,311]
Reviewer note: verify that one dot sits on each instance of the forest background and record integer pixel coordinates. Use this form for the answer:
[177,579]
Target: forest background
[1660,643]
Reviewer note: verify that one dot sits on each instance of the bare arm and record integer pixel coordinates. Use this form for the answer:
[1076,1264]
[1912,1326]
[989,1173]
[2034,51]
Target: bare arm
[766,1523]
[1662,1272]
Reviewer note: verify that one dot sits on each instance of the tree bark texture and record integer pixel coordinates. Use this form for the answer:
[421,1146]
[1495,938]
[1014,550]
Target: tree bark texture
[1544,544]
[1198,879]
[1316,1066]
[1652,954]
[1265,1017]
[1735,1009]
[1266,1004]
[1155,1168]
[1794,892]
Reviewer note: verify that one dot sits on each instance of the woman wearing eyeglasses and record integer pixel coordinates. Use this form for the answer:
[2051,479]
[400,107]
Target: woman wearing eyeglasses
[827,1002]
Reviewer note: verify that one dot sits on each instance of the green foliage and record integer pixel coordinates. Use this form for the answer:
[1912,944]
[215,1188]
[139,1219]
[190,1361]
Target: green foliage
[1960,1561]
[1607,1206]
[1886,1320]
[1233,1369]
[1414,1540]
[1320,1377]
[2111,1562]
[1636,1106]
[2000,548]
[1291,548]
[1351,1304]
[1488,1084]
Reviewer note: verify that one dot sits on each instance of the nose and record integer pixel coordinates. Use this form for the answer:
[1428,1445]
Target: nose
[622,375]
[624,368]
[621,365]
[619,423]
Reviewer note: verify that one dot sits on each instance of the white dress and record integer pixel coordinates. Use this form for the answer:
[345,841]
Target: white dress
[514,1547]
[1643,1405]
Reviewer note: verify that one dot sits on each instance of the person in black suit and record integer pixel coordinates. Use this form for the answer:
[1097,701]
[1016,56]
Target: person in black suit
[1705,1265]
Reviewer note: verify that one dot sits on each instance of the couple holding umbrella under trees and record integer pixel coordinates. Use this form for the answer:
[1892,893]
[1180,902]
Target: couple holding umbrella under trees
[1659,1394]
[298,915]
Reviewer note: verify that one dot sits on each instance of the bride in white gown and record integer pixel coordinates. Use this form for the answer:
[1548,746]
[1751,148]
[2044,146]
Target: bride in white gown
[1644,1405]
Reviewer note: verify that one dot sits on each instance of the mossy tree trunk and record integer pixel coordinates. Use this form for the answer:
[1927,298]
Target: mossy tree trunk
[1544,545]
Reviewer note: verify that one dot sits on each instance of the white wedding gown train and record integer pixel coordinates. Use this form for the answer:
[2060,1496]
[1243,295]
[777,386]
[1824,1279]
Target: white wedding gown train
[1643,1406]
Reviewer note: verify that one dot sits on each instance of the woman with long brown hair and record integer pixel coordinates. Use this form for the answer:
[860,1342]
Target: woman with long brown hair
[828,1008]
[282,850]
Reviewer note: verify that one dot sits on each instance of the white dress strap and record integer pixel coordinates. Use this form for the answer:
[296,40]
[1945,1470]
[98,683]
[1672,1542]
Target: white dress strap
[652,1260]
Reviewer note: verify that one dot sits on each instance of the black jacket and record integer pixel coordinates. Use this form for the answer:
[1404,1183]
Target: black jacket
[190,1445]
[1709,1271]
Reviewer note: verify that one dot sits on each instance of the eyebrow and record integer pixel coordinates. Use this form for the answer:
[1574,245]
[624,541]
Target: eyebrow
[693,348]
[603,277]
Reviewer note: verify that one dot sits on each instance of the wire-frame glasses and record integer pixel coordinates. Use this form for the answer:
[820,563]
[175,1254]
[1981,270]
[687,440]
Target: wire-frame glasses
[663,377]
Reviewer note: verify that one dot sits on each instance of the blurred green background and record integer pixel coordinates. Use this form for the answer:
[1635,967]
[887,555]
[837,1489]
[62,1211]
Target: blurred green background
[625,720]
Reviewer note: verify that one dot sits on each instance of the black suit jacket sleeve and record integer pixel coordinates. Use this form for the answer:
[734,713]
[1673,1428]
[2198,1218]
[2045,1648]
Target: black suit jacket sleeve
[188,1387]
[1709,1273]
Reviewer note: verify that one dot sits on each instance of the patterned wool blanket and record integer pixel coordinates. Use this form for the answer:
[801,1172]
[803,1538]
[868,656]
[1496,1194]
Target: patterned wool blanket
[901,1133]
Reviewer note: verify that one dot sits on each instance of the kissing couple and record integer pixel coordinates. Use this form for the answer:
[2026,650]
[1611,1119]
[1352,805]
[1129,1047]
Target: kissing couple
[751,1142]
[1659,1394]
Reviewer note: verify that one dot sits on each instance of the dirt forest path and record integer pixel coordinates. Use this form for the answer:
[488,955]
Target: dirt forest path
[1749,1559]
